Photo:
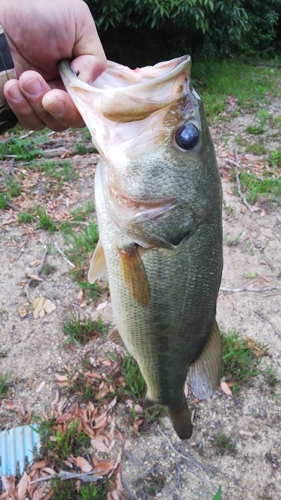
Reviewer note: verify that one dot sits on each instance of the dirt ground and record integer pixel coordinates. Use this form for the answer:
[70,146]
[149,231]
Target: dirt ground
[249,302]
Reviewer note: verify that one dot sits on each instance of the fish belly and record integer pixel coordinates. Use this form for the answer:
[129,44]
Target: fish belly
[168,335]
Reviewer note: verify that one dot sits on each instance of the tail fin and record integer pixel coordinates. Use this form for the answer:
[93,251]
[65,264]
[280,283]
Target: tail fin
[181,421]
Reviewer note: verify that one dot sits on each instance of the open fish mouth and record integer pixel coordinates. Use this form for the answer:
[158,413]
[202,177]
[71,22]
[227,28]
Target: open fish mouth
[125,95]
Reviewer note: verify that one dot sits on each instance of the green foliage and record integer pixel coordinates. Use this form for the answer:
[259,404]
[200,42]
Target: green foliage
[225,444]
[26,217]
[218,494]
[262,117]
[80,331]
[82,243]
[66,490]
[4,384]
[239,361]
[45,221]
[244,25]
[249,85]
[57,441]
[23,149]
[267,188]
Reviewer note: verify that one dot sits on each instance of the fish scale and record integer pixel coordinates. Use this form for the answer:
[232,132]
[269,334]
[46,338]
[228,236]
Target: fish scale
[158,204]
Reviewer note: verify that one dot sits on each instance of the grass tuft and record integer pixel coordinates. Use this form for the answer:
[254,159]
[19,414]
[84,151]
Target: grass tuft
[80,331]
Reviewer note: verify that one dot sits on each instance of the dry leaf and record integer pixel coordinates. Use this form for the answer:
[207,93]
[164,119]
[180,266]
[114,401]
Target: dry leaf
[34,277]
[22,486]
[102,468]
[40,386]
[225,388]
[99,445]
[83,464]
[39,494]
[22,311]
[41,307]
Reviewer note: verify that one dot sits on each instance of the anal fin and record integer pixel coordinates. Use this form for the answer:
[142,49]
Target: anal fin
[97,264]
[134,274]
[114,336]
[205,372]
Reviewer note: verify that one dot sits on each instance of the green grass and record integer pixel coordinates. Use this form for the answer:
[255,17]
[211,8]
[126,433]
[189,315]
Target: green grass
[24,149]
[240,364]
[80,331]
[224,444]
[261,120]
[216,81]
[45,221]
[81,244]
[59,441]
[218,494]
[4,384]
[268,188]
[65,490]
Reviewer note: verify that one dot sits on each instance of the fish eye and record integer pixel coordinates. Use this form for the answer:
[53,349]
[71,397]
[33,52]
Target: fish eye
[187,136]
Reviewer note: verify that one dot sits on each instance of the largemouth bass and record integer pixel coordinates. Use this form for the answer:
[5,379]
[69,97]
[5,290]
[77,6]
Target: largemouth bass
[158,204]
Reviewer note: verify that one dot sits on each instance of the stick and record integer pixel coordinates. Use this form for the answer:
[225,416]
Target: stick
[243,198]
[63,255]
[82,310]
[188,459]
[62,474]
[245,288]
[38,271]
[234,163]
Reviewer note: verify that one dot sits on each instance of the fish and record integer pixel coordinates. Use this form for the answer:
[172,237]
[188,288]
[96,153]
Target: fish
[158,202]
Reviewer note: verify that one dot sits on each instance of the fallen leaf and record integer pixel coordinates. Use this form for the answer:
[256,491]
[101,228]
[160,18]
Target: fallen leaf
[41,307]
[22,311]
[22,486]
[40,386]
[34,277]
[99,445]
[225,388]
[103,468]
[83,464]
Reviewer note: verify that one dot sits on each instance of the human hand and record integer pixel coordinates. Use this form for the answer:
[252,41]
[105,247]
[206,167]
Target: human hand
[39,35]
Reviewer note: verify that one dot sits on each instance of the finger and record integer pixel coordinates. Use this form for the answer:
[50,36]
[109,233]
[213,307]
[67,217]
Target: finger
[21,106]
[58,104]
[34,87]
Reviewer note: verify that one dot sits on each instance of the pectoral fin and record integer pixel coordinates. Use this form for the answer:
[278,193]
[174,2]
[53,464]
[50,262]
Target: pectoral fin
[97,265]
[205,372]
[114,336]
[134,274]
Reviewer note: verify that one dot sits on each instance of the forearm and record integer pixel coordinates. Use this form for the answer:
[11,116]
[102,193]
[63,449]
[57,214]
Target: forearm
[7,71]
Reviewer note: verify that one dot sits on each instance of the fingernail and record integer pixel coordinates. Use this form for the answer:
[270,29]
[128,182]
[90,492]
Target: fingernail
[15,93]
[33,87]
[55,107]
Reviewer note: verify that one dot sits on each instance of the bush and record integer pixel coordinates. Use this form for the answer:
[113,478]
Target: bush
[228,26]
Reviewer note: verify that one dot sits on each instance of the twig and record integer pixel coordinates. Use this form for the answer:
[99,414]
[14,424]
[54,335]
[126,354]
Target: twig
[12,206]
[243,198]
[38,271]
[234,163]
[63,255]
[245,288]
[82,310]
[62,474]
[190,460]
[24,136]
